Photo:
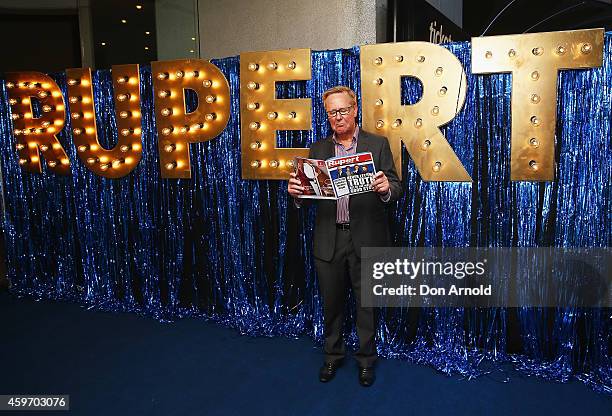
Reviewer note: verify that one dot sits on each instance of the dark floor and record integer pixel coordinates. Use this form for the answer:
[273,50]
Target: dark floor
[122,364]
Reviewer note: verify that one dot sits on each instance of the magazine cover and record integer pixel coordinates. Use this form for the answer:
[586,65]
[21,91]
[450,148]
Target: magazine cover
[315,178]
[351,175]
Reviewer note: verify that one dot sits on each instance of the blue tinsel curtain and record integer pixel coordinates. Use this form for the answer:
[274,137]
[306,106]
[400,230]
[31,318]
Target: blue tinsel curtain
[234,251]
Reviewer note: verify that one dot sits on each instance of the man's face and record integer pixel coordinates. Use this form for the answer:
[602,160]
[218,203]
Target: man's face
[341,124]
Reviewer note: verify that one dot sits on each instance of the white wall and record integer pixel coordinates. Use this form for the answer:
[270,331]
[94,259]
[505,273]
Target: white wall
[228,27]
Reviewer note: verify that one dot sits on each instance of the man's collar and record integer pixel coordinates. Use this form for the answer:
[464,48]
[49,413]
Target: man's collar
[355,136]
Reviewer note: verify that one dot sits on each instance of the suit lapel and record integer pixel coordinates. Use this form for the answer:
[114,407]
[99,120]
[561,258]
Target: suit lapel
[363,144]
[329,150]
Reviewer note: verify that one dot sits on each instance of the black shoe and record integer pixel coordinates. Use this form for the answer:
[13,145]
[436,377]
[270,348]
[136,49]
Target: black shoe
[366,376]
[328,371]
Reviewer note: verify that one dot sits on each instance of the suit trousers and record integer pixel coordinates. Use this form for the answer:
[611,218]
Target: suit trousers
[333,283]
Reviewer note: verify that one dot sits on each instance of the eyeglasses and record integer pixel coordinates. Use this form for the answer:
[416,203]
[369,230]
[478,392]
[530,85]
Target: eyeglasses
[342,111]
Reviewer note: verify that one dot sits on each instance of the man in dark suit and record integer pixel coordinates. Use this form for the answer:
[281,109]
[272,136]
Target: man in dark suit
[344,226]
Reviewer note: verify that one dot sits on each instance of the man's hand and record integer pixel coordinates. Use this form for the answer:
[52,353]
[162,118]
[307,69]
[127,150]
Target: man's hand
[381,183]
[295,187]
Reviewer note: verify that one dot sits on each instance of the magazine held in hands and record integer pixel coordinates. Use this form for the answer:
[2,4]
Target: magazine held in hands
[336,177]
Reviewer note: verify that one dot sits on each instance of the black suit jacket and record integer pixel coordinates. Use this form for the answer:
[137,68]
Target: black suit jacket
[368,214]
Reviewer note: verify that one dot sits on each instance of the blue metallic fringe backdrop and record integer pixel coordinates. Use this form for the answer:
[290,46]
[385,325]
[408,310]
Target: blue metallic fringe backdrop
[236,252]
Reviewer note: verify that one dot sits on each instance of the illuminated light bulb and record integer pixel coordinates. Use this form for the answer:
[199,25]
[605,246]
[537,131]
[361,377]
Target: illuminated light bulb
[19,146]
[511,53]
[40,130]
[163,94]
[171,165]
[82,148]
[378,81]
[560,50]
[123,97]
[380,124]
[25,101]
[252,85]
[44,147]
[273,163]
[77,131]
[254,125]
[25,132]
[290,163]
[169,148]
[378,61]
[488,54]
[123,80]
[118,162]
[76,116]
[25,84]
[166,112]
[127,132]
[47,108]
[91,160]
[272,115]
[74,99]
[442,91]
[426,145]
[255,145]
[207,83]
[399,58]
[535,121]
[253,106]
[65,161]
[52,163]
[533,165]
[439,71]
[197,126]
[125,114]
[31,86]
[253,66]
[167,130]
[586,48]
[10,85]
[420,59]
[12,101]
[16,116]
[535,98]
[534,142]
[537,51]
[272,66]
[17,132]
[535,75]
[23,161]
[184,129]
[124,148]
[179,74]
[418,123]
[396,123]
[210,99]
[435,110]
[105,166]
[43,94]
[378,102]
[437,166]
[73,81]
[162,75]
[292,114]
[210,116]
[255,164]
[291,65]
[193,74]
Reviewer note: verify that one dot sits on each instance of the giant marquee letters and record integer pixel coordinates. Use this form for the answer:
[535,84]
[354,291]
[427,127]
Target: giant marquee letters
[533,59]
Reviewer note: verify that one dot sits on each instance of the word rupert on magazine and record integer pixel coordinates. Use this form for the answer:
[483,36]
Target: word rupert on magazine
[336,177]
